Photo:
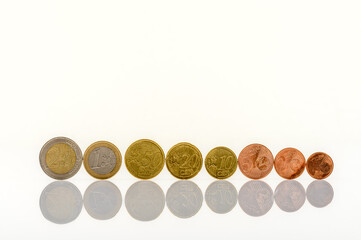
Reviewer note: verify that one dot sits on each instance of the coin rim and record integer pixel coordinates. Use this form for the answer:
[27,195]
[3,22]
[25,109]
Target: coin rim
[273,159]
[189,145]
[109,145]
[227,149]
[45,149]
[150,141]
[278,154]
[333,164]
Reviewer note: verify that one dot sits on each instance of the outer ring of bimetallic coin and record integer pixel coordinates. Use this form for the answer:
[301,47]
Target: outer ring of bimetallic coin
[247,175]
[45,149]
[226,149]
[278,156]
[332,165]
[150,141]
[191,146]
[112,147]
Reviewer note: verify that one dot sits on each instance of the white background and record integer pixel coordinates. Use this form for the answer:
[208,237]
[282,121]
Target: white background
[280,73]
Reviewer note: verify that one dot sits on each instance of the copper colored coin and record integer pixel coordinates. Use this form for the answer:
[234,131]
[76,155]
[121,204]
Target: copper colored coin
[255,161]
[319,165]
[290,163]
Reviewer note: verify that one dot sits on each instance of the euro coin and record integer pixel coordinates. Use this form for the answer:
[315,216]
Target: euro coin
[221,162]
[184,160]
[319,165]
[144,159]
[102,160]
[60,158]
[290,163]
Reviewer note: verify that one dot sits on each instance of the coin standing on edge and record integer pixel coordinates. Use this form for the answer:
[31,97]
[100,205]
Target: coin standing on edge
[290,163]
[60,158]
[319,165]
[102,159]
[221,162]
[255,161]
[144,159]
[184,160]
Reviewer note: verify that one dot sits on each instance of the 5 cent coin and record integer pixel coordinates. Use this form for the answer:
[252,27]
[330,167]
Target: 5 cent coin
[255,161]
[319,165]
[60,158]
[290,163]
[221,162]
[144,159]
[184,160]
[102,160]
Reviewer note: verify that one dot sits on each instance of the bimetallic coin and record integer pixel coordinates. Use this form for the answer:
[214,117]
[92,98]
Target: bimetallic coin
[319,193]
[184,160]
[290,163]
[60,158]
[61,202]
[290,195]
[255,161]
[102,160]
[221,162]
[319,165]
[221,196]
[144,159]
[102,200]
[255,198]
[184,199]
[144,201]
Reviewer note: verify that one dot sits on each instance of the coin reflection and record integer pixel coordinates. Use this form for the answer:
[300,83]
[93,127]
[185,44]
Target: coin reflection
[221,196]
[102,200]
[61,202]
[184,198]
[144,200]
[319,193]
[290,195]
[255,198]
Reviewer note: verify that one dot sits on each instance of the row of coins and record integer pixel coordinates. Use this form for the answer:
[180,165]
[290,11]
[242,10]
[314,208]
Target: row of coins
[145,200]
[61,158]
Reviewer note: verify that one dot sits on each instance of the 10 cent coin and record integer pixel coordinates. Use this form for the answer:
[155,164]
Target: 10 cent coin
[221,162]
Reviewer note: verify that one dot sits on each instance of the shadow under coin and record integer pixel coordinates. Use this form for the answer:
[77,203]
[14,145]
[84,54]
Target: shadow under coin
[255,198]
[184,198]
[144,200]
[319,193]
[221,196]
[102,200]
[290,195]
[61,202]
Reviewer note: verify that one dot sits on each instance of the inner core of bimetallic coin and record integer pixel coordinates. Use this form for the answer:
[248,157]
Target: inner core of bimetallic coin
[60,158]
[102,160]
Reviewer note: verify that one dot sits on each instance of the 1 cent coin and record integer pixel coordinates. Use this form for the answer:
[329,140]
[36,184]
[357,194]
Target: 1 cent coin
[290,163]
[255,161]
[184,160]
[221,162]
[144,159]
[60,158]
[319,165]
[102,160]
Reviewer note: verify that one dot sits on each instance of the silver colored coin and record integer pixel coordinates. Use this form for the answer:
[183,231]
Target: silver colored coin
[255,198]
[61,202]
[290,195]
[48,145]
[319,193]
[144,200]
[221,196]
[184,198]
[102,160]
[102,200]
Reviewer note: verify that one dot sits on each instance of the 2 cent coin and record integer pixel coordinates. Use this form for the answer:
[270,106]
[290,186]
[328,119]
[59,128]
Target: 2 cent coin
[290,163]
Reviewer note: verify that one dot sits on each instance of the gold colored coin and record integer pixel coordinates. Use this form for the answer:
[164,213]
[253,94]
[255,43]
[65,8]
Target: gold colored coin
[221,162]
[102,160]
[184,160]
[144,159]
[60,158]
